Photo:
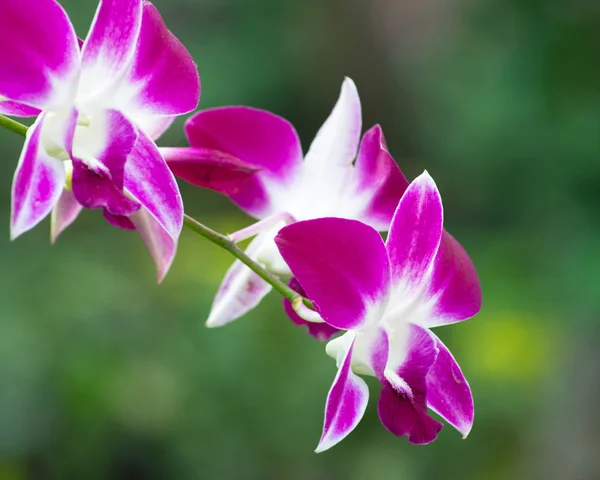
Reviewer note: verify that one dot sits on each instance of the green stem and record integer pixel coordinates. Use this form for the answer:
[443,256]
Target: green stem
[227,244]
[13,126]
[221,240]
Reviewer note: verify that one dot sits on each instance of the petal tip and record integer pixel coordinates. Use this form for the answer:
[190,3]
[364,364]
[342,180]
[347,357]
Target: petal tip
[426,179]
[322,447]
[349,84]
[17,229]
[465,429]
[326,442]
[212,322]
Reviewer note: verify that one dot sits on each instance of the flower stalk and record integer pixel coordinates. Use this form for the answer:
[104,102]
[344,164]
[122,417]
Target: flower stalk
[13,125]
[222,241]
[228,244]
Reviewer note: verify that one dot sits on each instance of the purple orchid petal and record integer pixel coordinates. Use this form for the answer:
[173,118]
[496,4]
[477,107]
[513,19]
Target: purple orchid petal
[109,47]
[119,221]
[98,179]
[150,182]
[346,404]
[402,403]
[341,264]
[96,190]
[39,58]
[337,140]
[240,291]
[320,331]
[454,285]
[163,79]
[18,109]
[257,138]
[399,414]
[209,168]
[38,183]
[161,244]
[64,214]
[379,174]
[448,393]
[426,260]
[415,233]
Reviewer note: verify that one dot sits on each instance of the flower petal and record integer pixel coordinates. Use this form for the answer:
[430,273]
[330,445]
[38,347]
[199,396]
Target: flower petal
[337,140]
[163,79]
[17,109]
[64,214]
[39,58]
[415,233]
[448,393]
[402,403]
[150,182]
[119,221]
[379,175]
[109,48]
[342,265]
[428,263]
[240,291]
[99,155]
[160,243]
[454,286]
[320,331]
[346,404]
[257,138]
[154,125]
[208,168]
[37,185]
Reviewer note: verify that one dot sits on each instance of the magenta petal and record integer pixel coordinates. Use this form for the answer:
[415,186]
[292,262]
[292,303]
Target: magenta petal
[341,264]
[161,245]
[320,331]
[119,221]
[402,404]
[240,291]
[257,138]
[209,168]
[399,414]
[39,47]
[454,285]
[448,393]
[18,109]
[96,190]
[110,45]
[379,175]
[37,185]
[346,404]
[64,214]
[415,232]
[150,182]
[163,76]
[100,184]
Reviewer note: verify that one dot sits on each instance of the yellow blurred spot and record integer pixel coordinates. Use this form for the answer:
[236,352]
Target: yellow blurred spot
[508,346]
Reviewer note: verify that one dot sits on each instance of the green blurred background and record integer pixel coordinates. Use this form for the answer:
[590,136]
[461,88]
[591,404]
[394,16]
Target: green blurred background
[106,375]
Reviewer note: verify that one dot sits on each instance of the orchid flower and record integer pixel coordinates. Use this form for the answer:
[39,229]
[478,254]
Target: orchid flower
[98,109]
[386,297]
[286,188]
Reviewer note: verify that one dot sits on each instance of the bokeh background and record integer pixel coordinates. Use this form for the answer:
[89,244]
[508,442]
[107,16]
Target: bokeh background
[105,375]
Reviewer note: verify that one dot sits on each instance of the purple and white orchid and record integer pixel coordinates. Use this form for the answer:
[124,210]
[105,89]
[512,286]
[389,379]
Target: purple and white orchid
[337,177]
[99,106]
[386,297]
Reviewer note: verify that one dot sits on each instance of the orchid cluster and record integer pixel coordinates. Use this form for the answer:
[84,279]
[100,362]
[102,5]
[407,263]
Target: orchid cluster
[99,106]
